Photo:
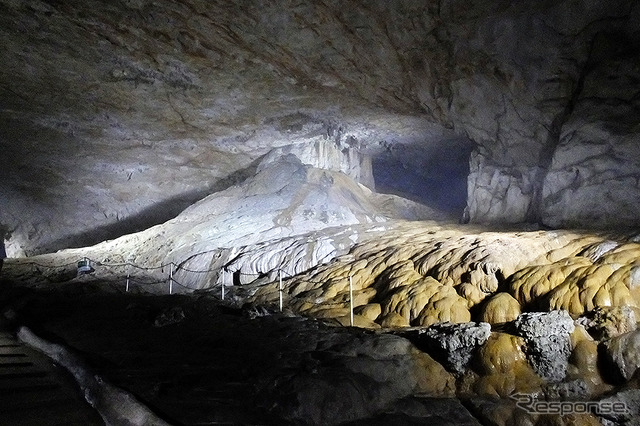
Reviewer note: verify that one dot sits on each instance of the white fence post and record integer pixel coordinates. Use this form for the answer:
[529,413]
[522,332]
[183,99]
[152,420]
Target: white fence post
[171,278]
[280,287]
[222,283]
[351,298]
[127,288]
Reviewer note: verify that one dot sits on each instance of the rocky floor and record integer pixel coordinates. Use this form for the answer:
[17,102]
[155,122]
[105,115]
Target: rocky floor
[196,362]
[456,325]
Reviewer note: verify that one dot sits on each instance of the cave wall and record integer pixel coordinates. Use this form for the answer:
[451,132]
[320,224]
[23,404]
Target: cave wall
[545,92]
[117,115]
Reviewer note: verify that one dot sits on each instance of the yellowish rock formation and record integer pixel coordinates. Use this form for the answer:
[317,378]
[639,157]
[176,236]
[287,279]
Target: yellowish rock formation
[587,288]
[583,364]
[371,311]
[500,308]
[533,282]
[433,379]
[503,367]
[420,274]
[426,302]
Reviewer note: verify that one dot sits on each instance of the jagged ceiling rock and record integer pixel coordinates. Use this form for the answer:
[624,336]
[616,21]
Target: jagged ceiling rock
[116,116]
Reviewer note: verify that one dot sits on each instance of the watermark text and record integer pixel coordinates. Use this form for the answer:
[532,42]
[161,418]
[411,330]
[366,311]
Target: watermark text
[532,405]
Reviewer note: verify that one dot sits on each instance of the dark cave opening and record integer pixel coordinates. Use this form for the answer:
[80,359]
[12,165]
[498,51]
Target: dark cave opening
[434,175]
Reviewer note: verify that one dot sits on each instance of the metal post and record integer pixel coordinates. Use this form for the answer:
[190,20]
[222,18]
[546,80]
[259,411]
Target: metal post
[280,287]
[171,278]
[351,298]
[127,289]
[222,283]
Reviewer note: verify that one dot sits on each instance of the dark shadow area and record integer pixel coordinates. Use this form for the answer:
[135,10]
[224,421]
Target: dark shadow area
[220,364]
[3,251]
[434,175]
[151,216]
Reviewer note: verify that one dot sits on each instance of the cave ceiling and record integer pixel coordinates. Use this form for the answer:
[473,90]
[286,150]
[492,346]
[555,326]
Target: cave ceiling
[118,115]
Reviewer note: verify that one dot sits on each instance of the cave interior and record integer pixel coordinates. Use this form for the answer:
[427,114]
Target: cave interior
[320,212]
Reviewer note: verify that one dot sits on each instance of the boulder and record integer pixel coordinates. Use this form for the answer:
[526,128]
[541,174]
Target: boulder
[547,335]
[454,344]
[607,322]
[624,351]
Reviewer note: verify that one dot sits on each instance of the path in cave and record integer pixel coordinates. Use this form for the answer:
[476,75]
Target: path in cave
[195,362]
[35,391]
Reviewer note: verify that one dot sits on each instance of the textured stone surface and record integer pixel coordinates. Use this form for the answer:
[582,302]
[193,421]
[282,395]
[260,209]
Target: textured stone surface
[624,351]
[402,274]
[548,344]
[500,308]
[455,344]
[584,363]
[116,116]
[289,217]
[627,403]
[503,367]
[607,322]
[599,143]
[579,285]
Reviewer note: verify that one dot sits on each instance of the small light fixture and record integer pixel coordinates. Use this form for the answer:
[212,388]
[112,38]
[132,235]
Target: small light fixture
[84,267]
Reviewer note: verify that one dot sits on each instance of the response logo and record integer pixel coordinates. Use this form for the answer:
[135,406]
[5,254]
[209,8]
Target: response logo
[532,405]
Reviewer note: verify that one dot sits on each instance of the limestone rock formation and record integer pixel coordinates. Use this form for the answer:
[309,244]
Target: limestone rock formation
[235,147]
[456,343]
[607,322]
[624,351]
[362,376]
[500,308]
[503,367]
[627,402]
[547,335]
[289,217]
[116,116]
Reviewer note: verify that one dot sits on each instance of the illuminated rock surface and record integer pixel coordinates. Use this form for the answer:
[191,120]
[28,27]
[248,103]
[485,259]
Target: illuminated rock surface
[116,116]
[236,148]
[624,351]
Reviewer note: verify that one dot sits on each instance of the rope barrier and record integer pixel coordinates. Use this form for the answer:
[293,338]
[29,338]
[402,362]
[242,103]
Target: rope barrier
[133,280]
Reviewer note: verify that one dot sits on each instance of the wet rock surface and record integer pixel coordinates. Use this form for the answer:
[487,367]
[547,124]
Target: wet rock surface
[192,359]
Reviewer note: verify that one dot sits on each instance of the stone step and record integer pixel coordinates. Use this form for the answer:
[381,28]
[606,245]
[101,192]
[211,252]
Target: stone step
[50,414]
[13,365]
[35,391]
[13,376]
[34,398]
[26,384]
[12,355]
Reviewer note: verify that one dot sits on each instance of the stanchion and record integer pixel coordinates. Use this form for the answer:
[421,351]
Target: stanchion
[351,298]
[222,284]
[171,278]
[280,287]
